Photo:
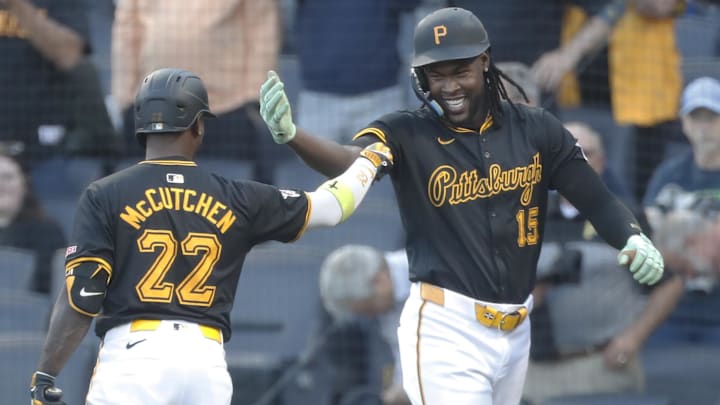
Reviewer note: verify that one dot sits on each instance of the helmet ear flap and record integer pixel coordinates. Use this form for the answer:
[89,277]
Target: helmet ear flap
[421,79]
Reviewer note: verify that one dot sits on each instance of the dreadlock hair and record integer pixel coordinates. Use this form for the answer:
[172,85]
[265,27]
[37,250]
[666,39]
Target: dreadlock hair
[495,90]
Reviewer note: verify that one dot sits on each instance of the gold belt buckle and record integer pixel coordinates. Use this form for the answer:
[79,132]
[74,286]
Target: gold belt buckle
[505,315]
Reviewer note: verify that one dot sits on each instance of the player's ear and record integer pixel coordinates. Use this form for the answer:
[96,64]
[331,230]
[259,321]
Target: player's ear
[198,128]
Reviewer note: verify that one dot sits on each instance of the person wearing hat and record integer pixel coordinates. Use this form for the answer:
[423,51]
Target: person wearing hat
[683,206]
[471,173]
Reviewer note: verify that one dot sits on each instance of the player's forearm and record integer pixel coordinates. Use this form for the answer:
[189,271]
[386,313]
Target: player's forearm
[67,330]
[335,200]
[660,304]
[592,37]
[323,155]
[584,189]
[57,43]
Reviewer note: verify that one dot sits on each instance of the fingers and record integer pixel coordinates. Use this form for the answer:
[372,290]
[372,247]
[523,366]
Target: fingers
[641,254]
[273,100]
[281,111]
[271,81]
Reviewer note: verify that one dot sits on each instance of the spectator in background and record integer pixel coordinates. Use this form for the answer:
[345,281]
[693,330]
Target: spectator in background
[349,63]
[592,319]
[23,223]
[595,153]
[523,33]
[360,283]
[231,44]
[521,74]
[683,203]
[644,74]
[46,80]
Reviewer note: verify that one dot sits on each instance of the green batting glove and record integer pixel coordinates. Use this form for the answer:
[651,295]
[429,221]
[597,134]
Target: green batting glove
[275,109]
[646,264]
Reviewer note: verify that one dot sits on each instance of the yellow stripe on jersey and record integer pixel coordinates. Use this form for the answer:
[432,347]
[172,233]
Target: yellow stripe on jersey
[375,131]
[484,127]
[104,265]
[343,194]
[307,219]
[168,162]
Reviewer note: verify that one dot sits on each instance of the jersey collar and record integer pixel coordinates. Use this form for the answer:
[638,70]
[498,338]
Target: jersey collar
[487,124]
[170,161]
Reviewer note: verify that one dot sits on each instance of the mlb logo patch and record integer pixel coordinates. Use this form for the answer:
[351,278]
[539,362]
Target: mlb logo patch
[289,193]
[156,126]
[70,250]
[175,178]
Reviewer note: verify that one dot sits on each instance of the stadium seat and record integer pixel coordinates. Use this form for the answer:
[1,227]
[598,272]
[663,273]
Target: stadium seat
[276,301]
[234,169]
[687,374]
[62,177]
[376,223]
[608,399]
[16,267]
[24,311]
[19,356]
[293,173]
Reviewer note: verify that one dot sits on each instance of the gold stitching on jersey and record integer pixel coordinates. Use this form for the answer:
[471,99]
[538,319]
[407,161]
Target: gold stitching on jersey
[168,162]
[446,185]
[445,142]
[375,131]
[307,219]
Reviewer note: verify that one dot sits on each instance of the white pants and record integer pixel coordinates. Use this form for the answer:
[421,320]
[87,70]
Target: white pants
[339,117]
[448,357]
[174,364]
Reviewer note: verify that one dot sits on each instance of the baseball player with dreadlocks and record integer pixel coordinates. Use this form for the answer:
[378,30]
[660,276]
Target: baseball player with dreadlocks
[157,252]
[471,174]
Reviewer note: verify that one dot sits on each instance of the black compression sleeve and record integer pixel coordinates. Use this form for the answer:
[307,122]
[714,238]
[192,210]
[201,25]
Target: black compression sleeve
[584,189]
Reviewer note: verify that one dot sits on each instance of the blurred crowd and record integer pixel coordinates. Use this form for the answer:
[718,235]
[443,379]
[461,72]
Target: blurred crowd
[637,82]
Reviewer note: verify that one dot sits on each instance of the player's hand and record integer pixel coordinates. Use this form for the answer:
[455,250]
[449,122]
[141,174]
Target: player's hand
[380,156]
[642,259]
[275,109]
[43,390]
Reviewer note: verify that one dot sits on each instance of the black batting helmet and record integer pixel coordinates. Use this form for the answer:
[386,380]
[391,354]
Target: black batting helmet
[449,34]
[169,101]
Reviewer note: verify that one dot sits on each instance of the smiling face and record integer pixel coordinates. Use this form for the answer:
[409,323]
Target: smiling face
[459,87]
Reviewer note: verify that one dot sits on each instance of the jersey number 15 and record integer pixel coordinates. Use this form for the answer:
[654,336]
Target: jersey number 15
[527,226]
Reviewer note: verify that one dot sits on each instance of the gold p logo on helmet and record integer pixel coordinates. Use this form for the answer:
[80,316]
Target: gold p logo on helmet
[439,31]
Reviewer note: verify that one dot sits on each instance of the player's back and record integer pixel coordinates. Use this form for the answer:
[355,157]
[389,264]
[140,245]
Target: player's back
[176,237]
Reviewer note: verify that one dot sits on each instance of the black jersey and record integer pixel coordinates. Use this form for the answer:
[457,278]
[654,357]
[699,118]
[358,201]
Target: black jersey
[175,237]
[473,202]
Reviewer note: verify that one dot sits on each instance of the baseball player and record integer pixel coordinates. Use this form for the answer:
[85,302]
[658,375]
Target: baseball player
[157,251]
[471,174]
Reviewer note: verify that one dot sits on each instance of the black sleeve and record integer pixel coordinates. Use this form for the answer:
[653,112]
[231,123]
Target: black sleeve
[275,214]
[582,187]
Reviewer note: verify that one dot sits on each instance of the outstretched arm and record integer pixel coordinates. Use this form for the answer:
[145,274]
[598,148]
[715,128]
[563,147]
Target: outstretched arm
[323,155]
[612,220]
[336,199]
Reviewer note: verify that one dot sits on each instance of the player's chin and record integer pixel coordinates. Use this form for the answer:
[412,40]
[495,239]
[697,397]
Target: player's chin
[460,119]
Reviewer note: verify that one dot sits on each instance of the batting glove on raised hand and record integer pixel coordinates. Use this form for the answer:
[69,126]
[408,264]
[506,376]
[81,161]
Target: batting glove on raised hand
[275,109]
[380,156]
[646,263]
[43,390]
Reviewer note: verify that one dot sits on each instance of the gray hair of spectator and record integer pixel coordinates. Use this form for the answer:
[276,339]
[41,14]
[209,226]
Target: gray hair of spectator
[347,275]
[522,75]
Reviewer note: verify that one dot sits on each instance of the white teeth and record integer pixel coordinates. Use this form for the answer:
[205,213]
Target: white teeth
[455,103]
